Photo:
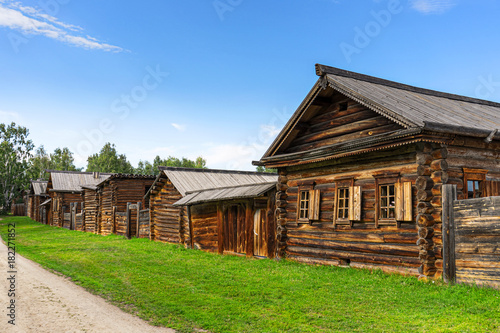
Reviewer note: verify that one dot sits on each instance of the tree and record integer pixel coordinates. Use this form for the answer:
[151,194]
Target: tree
[39,163]
[147,168]
[15,152]
[108,160]
[61,159]
[261,168]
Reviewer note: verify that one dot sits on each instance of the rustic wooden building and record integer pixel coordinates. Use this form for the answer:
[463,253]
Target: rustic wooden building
[36,196]
[65,188]
[214,210]
[91,208]
[115,193]
[361,167]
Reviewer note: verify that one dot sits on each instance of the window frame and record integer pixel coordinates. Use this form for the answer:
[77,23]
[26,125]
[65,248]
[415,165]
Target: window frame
[474,175]
[403,200]
[353,208]
[313,202]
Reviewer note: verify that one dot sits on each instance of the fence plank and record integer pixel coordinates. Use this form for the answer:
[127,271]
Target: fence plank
[448,230]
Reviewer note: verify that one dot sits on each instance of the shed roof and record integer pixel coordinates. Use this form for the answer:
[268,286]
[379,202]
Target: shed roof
[126,176]
[39,187]
[225,193]
[72,181]
[189,179]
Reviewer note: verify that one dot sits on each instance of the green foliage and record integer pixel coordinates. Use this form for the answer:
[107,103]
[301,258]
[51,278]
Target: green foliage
[15,152]
[61,159]
[264,169]
[146,168]
[190,290]
[108,160]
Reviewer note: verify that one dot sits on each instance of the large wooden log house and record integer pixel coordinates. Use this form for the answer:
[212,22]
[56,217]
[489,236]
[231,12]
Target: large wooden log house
[65,188]
[114,194]
[214,210]
[361,167]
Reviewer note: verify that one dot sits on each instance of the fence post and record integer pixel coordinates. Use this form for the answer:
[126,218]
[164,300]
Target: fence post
[138,218]
[127,233]
[449,268]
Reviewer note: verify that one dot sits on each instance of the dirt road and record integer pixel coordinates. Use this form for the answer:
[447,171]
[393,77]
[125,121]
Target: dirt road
[45,302]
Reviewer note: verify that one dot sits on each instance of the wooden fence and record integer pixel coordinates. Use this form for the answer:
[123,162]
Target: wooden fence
[471,239]
[18,209]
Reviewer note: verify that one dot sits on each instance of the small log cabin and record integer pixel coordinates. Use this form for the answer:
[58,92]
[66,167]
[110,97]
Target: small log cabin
[214,210]
[361,166]
[64,188]
[115,192]
[36,196]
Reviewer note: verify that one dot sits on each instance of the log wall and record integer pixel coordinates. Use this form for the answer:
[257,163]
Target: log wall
[204,227]
[91,206]
[363,243]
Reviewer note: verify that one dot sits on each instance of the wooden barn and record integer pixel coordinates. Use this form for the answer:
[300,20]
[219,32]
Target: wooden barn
[36,196]
[116,193]
[361,167]
[214,210]
[65,188]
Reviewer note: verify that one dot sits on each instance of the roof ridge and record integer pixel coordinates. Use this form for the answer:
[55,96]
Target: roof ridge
[163,168]
[322,70]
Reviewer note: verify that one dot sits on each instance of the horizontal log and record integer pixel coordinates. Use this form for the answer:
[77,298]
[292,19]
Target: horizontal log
[439,165]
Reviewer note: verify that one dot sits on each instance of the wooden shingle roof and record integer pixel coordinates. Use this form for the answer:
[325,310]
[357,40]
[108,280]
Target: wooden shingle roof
[38,187]
[72,181]
[416,110]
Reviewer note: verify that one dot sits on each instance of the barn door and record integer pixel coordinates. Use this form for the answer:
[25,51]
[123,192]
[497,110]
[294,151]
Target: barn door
[260,233]
[234,229]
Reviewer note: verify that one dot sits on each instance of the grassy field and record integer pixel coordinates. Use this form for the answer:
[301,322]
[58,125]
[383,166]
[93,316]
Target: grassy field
[189,289]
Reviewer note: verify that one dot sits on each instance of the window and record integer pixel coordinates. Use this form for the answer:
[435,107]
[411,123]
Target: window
[304,205]
[343,204]
[387,202]
[474,181]
[347,203]
[393,200]
[308,202]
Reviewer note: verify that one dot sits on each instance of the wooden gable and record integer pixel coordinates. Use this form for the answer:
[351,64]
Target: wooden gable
[331,119]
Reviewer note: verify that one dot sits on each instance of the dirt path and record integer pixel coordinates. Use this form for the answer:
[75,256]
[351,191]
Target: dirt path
[46,302]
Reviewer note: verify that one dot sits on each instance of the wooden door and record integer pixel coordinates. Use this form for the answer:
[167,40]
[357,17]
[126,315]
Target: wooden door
[260,233]
[234,229]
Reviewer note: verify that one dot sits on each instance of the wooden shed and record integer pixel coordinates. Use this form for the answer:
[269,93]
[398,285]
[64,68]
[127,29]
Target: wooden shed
[192,206]
[36,196]
[116,194]
[65,188]
[361,167]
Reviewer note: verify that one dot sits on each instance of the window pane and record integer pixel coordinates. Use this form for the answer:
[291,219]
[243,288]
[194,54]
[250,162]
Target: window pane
[383,191]
[391,189]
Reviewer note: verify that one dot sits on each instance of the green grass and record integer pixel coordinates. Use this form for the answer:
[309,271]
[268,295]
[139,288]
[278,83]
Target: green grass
[189,289]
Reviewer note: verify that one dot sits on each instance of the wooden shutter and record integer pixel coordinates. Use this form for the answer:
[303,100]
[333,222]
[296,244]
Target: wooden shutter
[355,203]
[314,204]
[403,201]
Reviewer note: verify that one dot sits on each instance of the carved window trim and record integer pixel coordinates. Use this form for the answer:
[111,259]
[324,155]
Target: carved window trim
[347,204]
[403,201]
[307,196]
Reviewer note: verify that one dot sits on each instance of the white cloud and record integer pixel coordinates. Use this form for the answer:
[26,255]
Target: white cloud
[31,21]
[7,117]
[432,6]
[179,127]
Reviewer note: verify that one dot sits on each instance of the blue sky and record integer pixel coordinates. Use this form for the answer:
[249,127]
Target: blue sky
[220,78]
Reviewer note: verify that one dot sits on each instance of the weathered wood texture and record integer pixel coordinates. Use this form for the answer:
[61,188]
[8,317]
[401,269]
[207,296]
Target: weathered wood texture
[339,121]
[91,206]
[168,223]
[60,205]
[388,243]
[18,209]
[204,224]
[144,223]
[477,231]
[117,193]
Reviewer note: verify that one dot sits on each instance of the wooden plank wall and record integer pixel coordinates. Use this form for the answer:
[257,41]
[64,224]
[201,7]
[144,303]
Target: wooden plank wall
[332,125]
[389,247]
[168,222]
[477,235]
[91,205]
[144,223]
[106,202]
[204,224]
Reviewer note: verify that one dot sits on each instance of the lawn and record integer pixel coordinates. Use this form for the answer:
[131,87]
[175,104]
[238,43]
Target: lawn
[171,286]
